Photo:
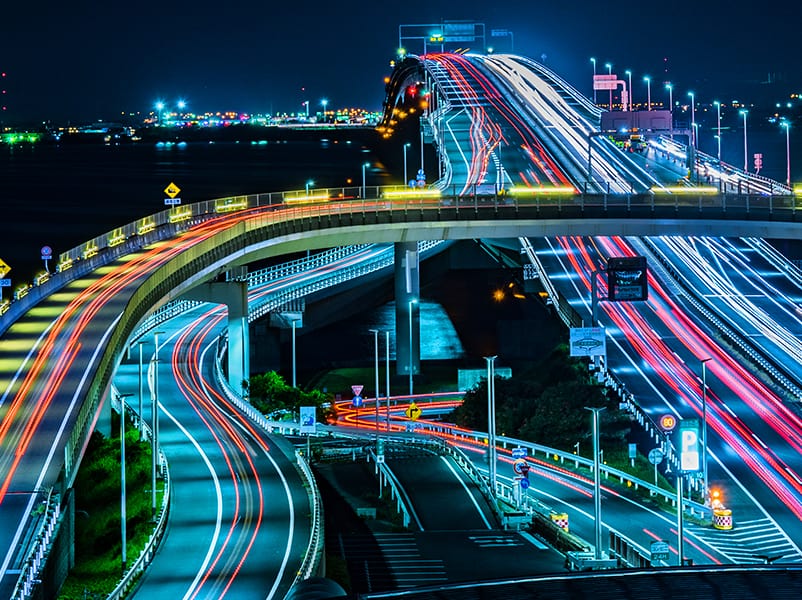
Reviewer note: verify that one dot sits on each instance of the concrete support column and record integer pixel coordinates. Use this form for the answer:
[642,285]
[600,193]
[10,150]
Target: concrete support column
[407,308]
[234,294]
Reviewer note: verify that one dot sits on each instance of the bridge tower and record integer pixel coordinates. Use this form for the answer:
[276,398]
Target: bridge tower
[407,309]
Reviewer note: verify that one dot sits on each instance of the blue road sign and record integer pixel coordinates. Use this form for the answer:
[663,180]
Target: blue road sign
[519,452]
[5,283]
[524,483]
[358,401]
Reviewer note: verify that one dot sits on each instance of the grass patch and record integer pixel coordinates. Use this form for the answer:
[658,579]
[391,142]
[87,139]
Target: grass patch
[98,547]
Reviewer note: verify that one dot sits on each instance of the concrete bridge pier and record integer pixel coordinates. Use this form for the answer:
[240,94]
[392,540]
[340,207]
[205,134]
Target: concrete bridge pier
[234,294]
[407,309]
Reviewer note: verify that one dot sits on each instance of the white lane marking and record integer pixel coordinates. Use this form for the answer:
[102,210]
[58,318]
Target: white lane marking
[218,491]
[24,522]
[467,491]
[287,494]
[533,540]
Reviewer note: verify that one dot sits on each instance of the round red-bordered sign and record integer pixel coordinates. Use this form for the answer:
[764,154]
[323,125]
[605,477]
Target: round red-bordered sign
[668,423]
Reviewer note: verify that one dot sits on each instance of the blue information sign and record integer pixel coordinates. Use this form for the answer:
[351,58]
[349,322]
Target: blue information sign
[358,401]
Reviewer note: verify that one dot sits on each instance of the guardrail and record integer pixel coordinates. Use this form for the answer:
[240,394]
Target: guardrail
[313,558]
[40,548]
[551,455]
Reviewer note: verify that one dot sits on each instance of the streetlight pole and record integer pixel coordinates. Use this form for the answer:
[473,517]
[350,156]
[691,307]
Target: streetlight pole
[596,479]
[123,528]
[406,176]
[387,373]
[693,119]
[154,436]
[308,184]
[744,112]
[375,333]
[629,78]
[324,103]
[411,302]
[294,381]
[787,126]
[491,421]
[593,60]
[648,81]
[421,148]
[718,128]
[141,395]
[670,89]
[704,423]
[610,72]
[364,166]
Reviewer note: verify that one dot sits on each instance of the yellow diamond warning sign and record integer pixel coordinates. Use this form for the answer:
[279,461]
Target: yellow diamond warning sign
[4,268]
[172,190]
[413,412]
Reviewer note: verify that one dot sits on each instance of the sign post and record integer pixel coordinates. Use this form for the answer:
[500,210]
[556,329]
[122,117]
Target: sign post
[4,282]
[47,254]
[172,191]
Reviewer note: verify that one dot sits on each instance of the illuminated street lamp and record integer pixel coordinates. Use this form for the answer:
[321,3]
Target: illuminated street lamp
[787,126]
[610,72]
[324,103]
[648,81]
[629,76]
[406,178]
[123,528]
[704,423]
[593,60]
[717,104]
[181,104]
[308,184]
[375,333]
[411,302]
[160,108]
[491,422]
[693,119]
[364,166]
[745,112]
[596,480]
[154,433]
[670,89]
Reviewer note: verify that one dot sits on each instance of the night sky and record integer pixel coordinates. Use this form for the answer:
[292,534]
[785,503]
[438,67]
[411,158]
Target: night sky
[88,60]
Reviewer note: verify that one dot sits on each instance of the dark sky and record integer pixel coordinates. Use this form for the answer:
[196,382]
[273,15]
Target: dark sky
[89,60]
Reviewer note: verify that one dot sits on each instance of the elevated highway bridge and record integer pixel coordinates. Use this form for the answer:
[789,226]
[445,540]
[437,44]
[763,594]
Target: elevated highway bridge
[514,171]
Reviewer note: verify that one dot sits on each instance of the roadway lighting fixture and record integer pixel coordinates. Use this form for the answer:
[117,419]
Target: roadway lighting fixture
[324,103]
[704,422]
[610,72]
[593,60]
[717,104]
[410,303]
[181,105]
[308,184]
[693,119]
[160,108]
[629,76]
[745,112]
[406,179]
[364,166]
[670,89]
[787,126]
[648,81]
[121,399]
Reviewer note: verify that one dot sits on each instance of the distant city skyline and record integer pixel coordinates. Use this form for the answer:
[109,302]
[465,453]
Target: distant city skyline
[82,61]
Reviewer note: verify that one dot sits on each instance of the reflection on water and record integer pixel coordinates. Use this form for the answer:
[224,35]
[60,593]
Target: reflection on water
[438,337]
